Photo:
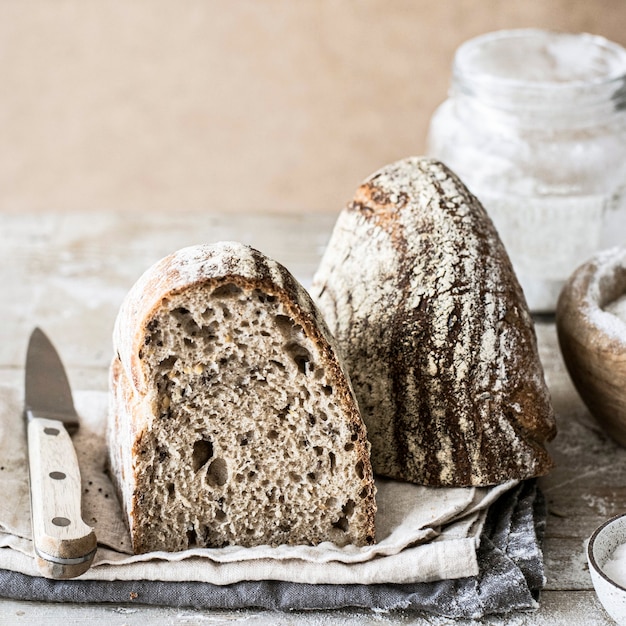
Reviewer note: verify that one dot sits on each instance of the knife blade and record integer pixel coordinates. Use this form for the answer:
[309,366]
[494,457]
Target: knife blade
[64,544]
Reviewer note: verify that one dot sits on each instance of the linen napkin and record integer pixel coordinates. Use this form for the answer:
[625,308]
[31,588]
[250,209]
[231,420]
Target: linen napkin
[423,535]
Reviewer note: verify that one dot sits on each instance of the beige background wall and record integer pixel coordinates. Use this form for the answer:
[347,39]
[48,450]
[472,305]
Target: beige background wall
[277,105]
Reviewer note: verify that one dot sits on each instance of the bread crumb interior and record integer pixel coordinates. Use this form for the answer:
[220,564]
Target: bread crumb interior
[248,444]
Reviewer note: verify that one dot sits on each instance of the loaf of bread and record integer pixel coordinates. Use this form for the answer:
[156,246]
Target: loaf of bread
[232,421]
[440,347]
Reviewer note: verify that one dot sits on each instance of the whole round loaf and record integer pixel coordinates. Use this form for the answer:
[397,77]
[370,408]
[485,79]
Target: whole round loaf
[231,419]
[438,340]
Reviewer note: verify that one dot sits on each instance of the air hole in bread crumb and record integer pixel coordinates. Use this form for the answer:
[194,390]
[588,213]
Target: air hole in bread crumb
[246,438]
[341,524]
[294,477]
[328,390]
[220,516]
[185,320]
[311,477]
[202,452]
[217,474]
[171,489]
[192,539]
[228,290]
[348,508]
[301,357]
[151,326]
[168,363]
[333,460]
[272,435]
[349,446]
[359,469]
[285,324]
[259,295]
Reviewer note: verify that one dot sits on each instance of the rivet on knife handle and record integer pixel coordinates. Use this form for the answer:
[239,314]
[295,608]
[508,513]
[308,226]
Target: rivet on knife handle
[64,544]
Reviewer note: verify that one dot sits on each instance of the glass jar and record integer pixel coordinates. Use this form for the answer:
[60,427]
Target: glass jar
[535,126]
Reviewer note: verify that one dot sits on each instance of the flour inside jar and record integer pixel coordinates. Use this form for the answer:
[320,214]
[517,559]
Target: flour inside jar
[535,126]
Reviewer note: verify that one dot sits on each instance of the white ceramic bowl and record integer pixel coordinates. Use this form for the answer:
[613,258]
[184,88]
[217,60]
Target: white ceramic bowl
[599,549]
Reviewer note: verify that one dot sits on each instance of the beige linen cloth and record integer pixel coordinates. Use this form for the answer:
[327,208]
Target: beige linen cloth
[423,534]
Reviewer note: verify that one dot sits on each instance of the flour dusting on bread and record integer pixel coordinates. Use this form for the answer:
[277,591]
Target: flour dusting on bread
[421,296]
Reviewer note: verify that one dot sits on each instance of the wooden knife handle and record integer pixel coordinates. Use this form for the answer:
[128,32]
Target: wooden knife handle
[64,544]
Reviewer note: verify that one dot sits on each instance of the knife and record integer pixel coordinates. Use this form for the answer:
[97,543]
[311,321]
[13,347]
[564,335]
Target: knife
[64,544]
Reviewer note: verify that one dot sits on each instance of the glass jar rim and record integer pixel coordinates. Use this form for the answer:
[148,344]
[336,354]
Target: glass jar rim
[535,64]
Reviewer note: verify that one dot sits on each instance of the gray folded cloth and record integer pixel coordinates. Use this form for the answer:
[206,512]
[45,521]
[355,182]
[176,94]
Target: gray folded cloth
[510,577]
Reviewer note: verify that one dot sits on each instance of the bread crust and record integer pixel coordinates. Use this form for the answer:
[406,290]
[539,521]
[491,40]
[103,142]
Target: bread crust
[439,343]
[133,414]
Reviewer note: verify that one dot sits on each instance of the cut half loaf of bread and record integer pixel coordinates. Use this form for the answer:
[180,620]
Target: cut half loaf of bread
[440,347]
[232,421]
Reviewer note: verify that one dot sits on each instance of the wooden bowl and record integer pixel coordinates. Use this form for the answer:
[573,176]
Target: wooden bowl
[591,325]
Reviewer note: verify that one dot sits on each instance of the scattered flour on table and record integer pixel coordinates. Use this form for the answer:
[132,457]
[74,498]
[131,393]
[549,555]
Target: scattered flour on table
[602,505]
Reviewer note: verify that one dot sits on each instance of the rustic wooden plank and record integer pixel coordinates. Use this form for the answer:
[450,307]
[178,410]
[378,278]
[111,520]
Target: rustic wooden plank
[566,566]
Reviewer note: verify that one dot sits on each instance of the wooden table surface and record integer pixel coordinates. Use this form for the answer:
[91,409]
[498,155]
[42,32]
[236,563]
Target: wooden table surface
[68,274]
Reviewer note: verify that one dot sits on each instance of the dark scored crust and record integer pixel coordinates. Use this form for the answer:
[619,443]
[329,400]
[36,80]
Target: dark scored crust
[421,296]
